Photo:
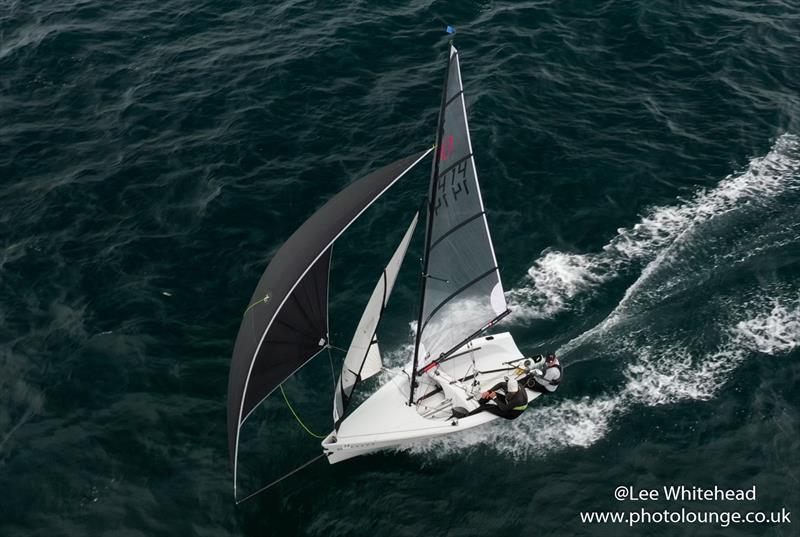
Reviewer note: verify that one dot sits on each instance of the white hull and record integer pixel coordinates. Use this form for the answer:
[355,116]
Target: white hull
[386,421]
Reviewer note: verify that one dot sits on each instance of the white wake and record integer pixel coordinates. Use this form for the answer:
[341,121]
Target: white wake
[559,280]
[661,364]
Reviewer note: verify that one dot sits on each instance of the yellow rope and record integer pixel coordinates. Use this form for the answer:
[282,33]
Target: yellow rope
[257,302]
[303,425]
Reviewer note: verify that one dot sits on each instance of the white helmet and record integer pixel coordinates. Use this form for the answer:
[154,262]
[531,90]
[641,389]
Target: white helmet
[512,385]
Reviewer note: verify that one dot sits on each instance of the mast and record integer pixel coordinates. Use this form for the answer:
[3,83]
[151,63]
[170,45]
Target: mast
[461,289]
[429,224]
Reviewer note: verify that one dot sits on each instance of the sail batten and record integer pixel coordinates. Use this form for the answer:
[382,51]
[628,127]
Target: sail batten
[466,286]
[286,324]
[456,228]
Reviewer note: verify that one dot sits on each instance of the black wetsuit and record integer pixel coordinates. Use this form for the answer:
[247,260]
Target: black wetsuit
[505,406]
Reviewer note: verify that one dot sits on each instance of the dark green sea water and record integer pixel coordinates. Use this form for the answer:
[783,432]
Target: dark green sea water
[640,162]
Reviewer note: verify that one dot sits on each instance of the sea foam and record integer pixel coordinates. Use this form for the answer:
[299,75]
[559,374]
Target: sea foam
[559,280]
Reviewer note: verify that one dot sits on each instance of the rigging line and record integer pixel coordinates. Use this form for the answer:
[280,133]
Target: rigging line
[337,348]
[262,489]
[333,373]
[471,368]
[394,370]
[257,302]
[273,389]
[303,425]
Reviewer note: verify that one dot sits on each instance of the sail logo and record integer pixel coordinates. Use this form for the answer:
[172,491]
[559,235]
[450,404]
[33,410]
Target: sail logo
[447,148]
[453,184]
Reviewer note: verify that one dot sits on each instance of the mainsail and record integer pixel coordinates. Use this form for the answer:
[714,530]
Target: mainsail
[363,358]
[286,323]
[462,291]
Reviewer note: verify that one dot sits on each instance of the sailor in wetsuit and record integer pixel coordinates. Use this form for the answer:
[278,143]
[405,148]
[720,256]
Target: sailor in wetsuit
[547,381]
[508,403]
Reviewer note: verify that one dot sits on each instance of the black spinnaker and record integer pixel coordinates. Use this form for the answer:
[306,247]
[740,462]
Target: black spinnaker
[286,323]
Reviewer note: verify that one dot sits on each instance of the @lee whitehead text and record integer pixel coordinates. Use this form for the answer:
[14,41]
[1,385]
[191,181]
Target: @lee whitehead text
[683,494]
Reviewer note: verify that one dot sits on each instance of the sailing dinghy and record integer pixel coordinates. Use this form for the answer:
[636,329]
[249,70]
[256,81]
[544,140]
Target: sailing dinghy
[453,360]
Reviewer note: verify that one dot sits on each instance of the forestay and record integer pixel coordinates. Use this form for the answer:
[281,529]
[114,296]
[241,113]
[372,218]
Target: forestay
[363,358]
[286,323]
[463,293]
